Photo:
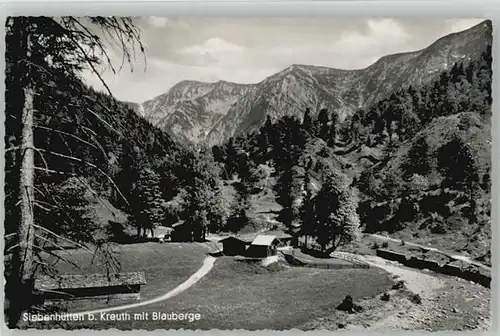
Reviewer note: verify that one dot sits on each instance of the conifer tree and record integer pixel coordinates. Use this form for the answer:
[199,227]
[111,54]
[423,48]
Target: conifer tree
[231,158]
[332,132]
[241,212]
[322,124]
[337,219]
[307,211]
[307,122]
[148,205]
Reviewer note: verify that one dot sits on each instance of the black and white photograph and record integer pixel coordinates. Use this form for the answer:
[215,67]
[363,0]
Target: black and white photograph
[257,173]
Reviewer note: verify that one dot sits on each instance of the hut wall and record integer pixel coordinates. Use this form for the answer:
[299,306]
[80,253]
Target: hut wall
[82,293]
[257,251]
[234,248]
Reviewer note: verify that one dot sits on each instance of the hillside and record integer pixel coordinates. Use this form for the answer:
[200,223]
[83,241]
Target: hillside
[214,112]
[418,161]
[429,191]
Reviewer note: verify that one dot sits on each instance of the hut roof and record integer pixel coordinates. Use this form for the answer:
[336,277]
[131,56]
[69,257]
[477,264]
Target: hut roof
[90,280]
[264,240]
[278,234]
[179,223]
[232,238]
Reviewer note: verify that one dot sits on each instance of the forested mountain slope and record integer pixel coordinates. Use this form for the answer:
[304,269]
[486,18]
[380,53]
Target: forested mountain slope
[418,161]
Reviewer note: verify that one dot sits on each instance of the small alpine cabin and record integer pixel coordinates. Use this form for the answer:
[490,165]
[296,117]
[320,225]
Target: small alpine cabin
[263,246]
[84,286]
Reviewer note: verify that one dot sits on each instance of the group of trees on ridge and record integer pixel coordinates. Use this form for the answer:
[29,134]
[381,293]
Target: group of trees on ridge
[466,87]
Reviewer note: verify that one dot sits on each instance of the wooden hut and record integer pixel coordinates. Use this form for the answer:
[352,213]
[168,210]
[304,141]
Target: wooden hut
[184,232]
[79,286]
[233,246]
[284,239]
[181,232]
[263,246]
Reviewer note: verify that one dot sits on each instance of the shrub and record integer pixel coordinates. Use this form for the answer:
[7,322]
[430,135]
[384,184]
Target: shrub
[416,299]
[375,246]
[438,229]
[385,244]
[399,285]
[407,211]
[437,224]
[349,306]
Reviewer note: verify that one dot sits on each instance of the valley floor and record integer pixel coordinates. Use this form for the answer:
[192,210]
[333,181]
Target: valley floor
[236,294]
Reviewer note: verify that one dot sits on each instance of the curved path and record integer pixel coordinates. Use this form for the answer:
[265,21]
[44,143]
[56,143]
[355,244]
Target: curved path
[208,264]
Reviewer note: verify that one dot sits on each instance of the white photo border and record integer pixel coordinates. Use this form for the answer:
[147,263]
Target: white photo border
[486,9]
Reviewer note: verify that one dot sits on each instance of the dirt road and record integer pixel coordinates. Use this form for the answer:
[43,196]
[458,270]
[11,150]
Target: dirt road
[447,303]
[416,281]
[408,316]
[208,264]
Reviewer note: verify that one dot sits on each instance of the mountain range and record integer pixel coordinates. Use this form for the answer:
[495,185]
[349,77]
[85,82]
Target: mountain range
[211,113]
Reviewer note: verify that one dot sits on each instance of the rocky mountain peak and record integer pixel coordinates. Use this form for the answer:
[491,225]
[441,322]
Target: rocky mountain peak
[210,113]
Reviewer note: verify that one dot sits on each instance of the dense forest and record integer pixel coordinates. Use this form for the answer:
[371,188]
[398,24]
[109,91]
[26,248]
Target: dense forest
[428,149]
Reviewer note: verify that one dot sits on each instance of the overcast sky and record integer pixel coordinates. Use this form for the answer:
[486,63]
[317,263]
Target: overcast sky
[247,50]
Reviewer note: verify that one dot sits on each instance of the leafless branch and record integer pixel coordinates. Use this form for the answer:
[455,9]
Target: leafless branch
[12,247]
[9,235]
[88,164]
[54,171]
[38,190]
[41,206]
[96,194]
[105,108]
[43,158]
[51,242]
[67,134]
[61,237]
[104,122]
[12,148]
[41,263]
[56,255]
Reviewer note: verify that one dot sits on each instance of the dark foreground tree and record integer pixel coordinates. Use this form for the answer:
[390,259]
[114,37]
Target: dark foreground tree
[44,54]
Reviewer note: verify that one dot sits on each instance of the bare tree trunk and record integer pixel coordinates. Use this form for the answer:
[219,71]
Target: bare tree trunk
[26,187]
[23,258]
